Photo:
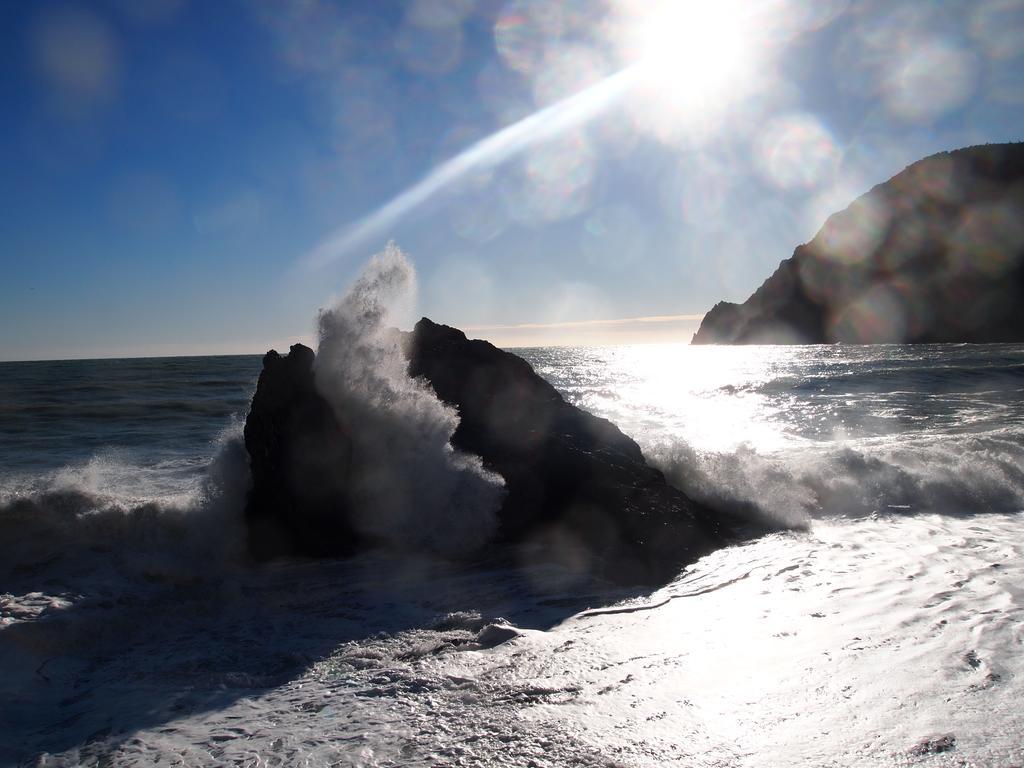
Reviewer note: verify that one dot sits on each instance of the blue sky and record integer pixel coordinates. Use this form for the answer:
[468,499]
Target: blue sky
[178,175]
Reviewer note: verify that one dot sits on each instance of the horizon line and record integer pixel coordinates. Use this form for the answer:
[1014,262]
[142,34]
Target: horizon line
[310,341]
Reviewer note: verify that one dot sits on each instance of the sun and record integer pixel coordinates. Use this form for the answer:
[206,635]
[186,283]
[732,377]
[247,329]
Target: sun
[695,38]
[692,45]
[690,53]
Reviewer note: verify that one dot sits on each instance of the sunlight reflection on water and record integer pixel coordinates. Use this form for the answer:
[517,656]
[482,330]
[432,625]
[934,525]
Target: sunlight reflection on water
[771,398]
[709,396]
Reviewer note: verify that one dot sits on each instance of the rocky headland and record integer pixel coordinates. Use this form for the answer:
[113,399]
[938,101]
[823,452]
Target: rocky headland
[935,254]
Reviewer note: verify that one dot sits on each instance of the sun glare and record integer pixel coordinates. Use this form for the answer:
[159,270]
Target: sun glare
[692,48]
[692,58]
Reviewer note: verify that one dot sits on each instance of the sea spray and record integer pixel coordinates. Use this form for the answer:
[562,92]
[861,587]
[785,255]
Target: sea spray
[954,475]
[410,487]
[741,483]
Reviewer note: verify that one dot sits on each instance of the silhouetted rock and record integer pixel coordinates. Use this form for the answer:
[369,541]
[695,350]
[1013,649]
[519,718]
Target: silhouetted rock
[299,457]
[935,254]
[574,480]
[577,487]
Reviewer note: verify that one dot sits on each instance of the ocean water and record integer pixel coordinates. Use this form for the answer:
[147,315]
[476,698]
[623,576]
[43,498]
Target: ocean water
[881,624]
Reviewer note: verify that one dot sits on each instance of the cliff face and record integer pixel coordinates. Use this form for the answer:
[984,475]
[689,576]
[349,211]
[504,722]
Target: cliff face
[935,254]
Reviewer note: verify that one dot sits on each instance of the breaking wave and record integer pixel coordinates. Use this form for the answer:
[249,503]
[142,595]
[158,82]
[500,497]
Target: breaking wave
[962,475]
[99,518]
[411,487]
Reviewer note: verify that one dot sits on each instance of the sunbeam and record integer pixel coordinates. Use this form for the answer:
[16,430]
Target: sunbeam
[486,153]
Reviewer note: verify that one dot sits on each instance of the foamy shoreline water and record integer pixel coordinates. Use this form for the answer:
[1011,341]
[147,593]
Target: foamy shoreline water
[800,649]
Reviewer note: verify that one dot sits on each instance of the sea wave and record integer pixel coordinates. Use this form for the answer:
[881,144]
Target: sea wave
[78,524]
[957,475]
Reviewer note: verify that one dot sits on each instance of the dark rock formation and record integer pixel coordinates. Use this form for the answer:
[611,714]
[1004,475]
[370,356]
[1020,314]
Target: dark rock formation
[935,254]
[577,486]
[569,474]
[298,456]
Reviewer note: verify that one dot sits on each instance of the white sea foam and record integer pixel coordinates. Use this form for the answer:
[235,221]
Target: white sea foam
[410,486]
[964,475]
[846,646]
